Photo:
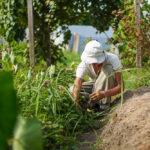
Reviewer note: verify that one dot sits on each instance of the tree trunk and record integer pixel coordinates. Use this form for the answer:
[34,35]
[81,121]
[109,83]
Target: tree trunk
[46,45]
[48,59]
[31,32]
[138,32]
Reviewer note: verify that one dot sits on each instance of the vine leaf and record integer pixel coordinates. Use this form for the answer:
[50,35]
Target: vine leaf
[28,135]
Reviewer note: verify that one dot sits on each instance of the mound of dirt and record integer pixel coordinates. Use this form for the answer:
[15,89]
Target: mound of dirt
[129,126]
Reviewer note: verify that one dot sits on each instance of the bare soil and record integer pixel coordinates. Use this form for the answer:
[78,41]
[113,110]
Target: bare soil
[128,127]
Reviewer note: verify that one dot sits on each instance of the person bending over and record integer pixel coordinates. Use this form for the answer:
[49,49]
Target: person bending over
[103,68]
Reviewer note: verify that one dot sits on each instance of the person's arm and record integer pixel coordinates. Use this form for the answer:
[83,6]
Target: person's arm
[111,92]
[116,90]
[77,88]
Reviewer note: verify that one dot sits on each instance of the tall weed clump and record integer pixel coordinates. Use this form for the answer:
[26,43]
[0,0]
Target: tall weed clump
[45,95]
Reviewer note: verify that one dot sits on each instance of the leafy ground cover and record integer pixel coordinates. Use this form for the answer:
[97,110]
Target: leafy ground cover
[43,94]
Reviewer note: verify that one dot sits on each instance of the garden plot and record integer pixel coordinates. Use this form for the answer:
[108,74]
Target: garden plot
[128,127]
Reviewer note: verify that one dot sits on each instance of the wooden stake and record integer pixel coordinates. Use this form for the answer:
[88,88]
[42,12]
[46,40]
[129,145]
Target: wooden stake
[31,32]
[138,32]
[75,42]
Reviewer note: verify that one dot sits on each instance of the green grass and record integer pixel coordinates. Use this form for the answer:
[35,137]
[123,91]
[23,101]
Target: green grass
[137,78]
[72,57]
[44,94]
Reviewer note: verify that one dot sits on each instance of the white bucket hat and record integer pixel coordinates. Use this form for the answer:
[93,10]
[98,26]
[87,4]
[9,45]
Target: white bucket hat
[93,53]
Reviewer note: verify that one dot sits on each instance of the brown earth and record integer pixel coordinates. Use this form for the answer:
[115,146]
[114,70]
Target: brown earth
[128,127]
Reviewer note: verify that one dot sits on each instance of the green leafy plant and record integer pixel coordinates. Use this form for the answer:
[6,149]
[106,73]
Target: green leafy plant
[27,135]
[125,33]
[8,108]
[43,94]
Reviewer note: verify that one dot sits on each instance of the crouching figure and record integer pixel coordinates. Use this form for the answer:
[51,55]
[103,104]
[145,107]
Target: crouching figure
[103,68]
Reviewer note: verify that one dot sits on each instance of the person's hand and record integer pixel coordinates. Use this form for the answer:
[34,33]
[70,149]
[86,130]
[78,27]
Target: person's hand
[95,96]
[76,101]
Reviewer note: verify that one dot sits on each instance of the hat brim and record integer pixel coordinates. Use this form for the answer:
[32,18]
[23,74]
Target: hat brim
[90,60]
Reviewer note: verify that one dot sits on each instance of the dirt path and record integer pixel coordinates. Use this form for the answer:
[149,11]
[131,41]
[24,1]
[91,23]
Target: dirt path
[128,127]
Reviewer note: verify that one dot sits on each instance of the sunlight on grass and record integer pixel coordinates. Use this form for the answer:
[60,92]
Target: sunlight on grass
[72,57]
[137,78]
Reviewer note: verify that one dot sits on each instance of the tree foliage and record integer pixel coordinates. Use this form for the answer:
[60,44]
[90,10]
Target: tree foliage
[126,33]
[101,15]
[49,15]
[12,20]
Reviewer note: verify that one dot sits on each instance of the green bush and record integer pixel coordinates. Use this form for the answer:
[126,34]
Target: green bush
[45,95]
[125,34]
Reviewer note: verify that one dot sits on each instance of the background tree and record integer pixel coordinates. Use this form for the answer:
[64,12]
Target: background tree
[49,15]
[13,20]
[100,12]
[125,34]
